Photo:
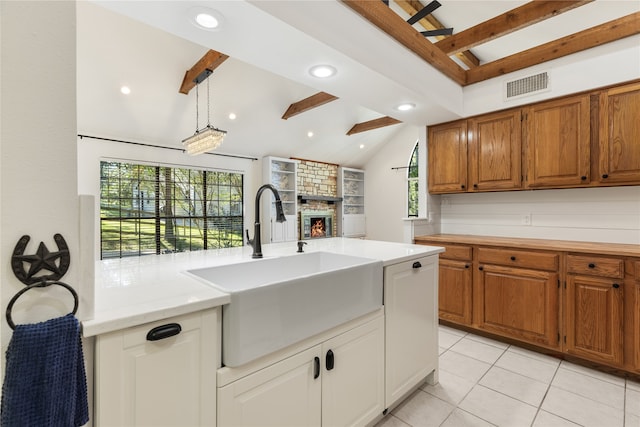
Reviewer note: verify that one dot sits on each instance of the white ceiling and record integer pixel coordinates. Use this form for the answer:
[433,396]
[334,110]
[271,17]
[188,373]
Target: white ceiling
[148,45]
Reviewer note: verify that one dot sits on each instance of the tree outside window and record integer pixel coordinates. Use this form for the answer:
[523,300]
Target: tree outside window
[412,184]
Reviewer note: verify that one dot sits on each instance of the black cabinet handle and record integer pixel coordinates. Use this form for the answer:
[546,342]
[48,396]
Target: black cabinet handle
[475,185]
[164,331]
[481,268]
[316,367]
[462,186]
[513,258]
[605,176]
[584,178]
[417,264]
[329,362]
[592,265]
[466,266]
[616,286]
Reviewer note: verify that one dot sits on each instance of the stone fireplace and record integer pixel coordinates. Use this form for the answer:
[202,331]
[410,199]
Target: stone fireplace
[317,194]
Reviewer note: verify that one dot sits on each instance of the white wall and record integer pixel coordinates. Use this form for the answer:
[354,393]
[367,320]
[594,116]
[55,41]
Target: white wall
[92,151]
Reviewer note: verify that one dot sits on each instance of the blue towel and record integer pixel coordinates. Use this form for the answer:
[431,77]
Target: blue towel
[45,383]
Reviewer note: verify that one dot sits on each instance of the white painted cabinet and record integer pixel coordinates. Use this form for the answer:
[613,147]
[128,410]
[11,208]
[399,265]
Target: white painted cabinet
[339,382]
[170,381]
[351,189]
[411,326]
[281,173]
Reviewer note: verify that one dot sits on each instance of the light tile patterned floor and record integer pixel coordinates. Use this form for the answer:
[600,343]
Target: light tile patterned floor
[488,383]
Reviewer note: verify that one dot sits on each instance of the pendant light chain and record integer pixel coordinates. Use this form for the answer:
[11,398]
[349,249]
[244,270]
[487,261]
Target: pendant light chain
[197,102]
[208,96]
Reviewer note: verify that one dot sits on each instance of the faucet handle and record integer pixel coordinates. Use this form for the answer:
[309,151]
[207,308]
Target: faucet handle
[300,244]
[249,241]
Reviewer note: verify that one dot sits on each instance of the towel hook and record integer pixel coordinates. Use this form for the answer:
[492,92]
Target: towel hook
[42,284]
[57,263]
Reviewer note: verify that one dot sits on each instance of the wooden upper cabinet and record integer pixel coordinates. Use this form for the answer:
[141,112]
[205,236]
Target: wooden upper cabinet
[447,151]
[495,151]
[557,137]
[619,156]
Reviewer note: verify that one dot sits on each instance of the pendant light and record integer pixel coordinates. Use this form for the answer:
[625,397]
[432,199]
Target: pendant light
[208,138]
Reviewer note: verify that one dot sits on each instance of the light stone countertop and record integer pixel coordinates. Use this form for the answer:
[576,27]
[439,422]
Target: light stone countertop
[138,290]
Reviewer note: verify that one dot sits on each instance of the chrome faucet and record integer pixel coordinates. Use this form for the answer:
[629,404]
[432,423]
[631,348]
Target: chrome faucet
[255,243]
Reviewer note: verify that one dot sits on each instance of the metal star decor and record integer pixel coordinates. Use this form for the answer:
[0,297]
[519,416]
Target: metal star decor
[57,263]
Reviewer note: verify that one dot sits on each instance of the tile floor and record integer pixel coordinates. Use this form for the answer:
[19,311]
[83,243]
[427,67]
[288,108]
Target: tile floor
[488,383]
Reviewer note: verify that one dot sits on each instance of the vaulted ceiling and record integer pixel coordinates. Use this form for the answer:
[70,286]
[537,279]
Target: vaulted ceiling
[382,61]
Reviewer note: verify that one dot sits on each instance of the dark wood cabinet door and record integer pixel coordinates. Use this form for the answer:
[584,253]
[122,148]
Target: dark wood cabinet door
[557,137]
[454,291]
[447,153]
[593,311]
[495,153]
[518,303]
[619,154]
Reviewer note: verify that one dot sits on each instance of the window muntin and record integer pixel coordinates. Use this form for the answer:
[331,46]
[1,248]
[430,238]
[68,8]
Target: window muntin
[157,209]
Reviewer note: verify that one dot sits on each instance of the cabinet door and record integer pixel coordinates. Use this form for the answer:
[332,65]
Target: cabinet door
[620,134]
[594,318]
[454,291]
[636,322]
[411,325]
[495,153]
[353,376]
[353,225]
[447,152]
[287,393]
[170,382]
[518,303]
[557,136]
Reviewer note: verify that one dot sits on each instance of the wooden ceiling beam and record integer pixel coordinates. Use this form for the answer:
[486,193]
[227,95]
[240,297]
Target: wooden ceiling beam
[601,34]
[306,104]
[211,60]
[391,23]
[513,20]
[373,124]
[430,22]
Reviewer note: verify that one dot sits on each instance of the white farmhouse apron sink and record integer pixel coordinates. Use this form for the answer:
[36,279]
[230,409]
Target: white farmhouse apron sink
[276,302]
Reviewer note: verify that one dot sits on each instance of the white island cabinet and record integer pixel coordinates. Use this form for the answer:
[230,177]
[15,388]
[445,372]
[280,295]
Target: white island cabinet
[146,376]
[411,326]
[338,381]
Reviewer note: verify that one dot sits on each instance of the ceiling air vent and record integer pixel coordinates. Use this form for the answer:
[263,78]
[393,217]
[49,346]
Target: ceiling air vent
[527,86]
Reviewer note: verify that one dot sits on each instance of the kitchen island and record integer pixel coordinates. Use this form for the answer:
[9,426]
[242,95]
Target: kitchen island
[158,345]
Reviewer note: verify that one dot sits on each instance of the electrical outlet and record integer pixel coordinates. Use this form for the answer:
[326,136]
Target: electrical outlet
[526,219]
[429,217]
[444,201]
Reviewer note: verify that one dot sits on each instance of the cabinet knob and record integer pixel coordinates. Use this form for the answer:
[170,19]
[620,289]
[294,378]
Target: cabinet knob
[616,286]
[592,265]
[605,176]
[513,258]
[584,178]
[329,360]
[475,185]
[462,186]
[164,331]
[481,268]
[466,266]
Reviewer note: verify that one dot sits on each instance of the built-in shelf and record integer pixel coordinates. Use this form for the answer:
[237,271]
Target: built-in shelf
[304,198]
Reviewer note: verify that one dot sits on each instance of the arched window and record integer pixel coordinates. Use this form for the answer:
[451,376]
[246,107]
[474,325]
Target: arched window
[412,184]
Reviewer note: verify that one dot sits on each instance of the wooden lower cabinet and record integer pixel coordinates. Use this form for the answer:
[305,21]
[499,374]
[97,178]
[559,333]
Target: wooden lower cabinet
[518,303]
[593,316]
[454,291]
[635,337]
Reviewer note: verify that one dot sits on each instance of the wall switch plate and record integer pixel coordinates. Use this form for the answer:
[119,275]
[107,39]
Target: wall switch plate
[526,219]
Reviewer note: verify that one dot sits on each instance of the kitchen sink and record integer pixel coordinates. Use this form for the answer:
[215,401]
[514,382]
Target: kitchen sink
[276,302]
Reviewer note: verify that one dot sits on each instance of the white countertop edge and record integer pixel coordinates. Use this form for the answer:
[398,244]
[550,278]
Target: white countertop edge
[118,319]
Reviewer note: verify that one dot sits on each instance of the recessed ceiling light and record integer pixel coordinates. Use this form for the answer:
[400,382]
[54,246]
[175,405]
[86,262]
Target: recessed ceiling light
[232,116]
[205,18]
[322,71]
[125,90]
[406,106]
[207,21]
[309,134]
[361,146]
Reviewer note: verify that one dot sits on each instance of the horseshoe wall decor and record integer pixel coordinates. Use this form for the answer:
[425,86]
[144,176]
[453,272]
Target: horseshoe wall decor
[57,263]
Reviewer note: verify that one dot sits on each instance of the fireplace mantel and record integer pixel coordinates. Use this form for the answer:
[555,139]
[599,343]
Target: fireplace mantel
[329,199]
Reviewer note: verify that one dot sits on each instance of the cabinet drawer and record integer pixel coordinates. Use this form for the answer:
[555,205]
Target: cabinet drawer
[462,253]
[636,267]
[517,258]
[596,266]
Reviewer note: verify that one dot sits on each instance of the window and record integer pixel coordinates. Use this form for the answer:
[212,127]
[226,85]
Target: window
[412,184]
[156,209]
